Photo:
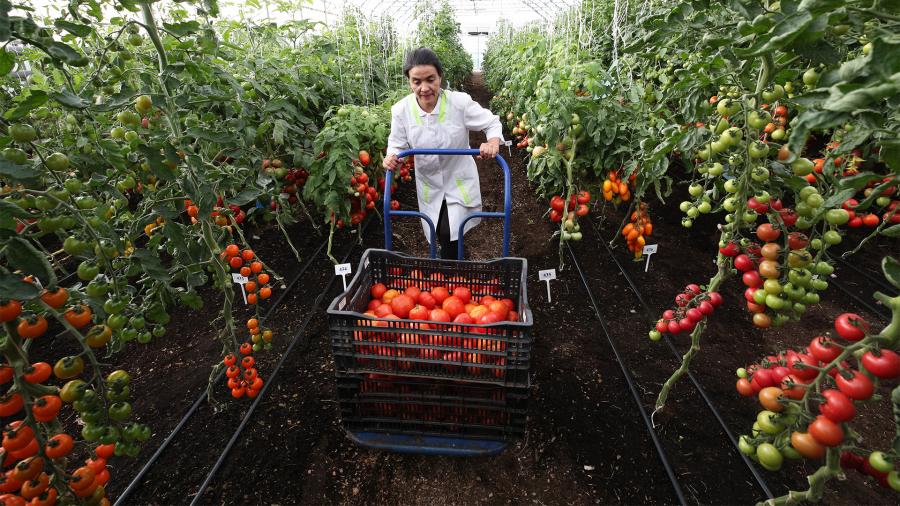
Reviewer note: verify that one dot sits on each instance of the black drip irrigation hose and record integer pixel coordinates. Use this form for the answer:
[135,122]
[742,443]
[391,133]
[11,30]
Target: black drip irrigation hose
[136,482]
[663,458]
[262,393]
[709,404]
[875,310]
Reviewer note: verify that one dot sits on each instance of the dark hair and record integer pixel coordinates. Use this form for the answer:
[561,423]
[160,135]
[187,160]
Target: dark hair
[422,56]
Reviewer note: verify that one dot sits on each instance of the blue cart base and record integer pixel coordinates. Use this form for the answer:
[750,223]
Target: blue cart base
[427,445]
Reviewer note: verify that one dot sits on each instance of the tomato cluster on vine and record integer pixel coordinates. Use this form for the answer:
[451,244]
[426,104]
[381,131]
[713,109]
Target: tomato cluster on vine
[691,306]
[242,377]
[638,230]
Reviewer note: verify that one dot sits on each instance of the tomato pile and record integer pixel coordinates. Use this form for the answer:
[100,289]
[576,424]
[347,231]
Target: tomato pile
[435,304]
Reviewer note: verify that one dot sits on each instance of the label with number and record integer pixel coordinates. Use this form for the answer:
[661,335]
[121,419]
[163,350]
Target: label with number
[650,249]
[342,269]
[238,278]
[547,275]
[507,143]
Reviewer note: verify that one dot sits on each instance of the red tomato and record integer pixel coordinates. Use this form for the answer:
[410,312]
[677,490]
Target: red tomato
[463,318]
[487,299]
[419,312]
[383,310]
[413,291]
[767,233]
[824,349]
[463,293]
[512,316]
[885,365]
[826,432]
[510,305]
[858,387]
[796,363]
[499,308]
[402,305]
[427,300]
[851,326]
[374,303]
[453,306]
[489,318]
[837,407]
[479,311]
[439,315]
[440,293]
[389,295]
[792,387]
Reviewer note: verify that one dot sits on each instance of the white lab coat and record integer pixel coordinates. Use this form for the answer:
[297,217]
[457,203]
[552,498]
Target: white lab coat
[454,178]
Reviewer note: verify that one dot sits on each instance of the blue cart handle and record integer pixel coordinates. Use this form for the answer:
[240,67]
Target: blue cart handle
[507,201]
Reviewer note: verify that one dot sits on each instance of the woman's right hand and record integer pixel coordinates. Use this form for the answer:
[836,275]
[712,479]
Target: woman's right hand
[391,162]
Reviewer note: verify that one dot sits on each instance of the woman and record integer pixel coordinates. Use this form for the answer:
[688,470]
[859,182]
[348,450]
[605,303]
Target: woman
[430,117]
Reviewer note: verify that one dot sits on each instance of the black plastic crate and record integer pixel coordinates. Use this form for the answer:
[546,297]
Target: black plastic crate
[498,353]
[429,407]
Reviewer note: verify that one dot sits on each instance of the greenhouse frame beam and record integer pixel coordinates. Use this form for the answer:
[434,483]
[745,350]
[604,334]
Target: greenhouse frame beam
[531,4]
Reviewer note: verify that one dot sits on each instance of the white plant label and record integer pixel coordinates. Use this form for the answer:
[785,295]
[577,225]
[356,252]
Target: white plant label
[649,250]
[237,278]
[547,275]
[508,145]
[342,270]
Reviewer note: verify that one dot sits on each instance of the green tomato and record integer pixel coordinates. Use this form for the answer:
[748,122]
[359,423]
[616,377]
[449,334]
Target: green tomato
[832,237]
[73,185]
[15,155]
[687,223]
[22,133]
[894,480]
[115,305]
[127,335]
[810,299]
[730,204]
[802,166]
[819,285]
[117,321]
[693,212]
[824,268]
[779,134]
[703,154]
[793,292]
[120,411]
[815,201]
[131,136]
[695,190]
[97,289]
[704,207]
[810,77]
[145,337]
[774,94]
[758,149]
[57,162]
[769,457]
[837,216]
[716,169]
[745,446]
[731,186]
[684,206]
[788,452]
[772,286]
[775,302]
[159,330]
[117,133]
[137,322]
[91,432]
[655,335]
[87,270]
[759,296]
[800,277]
[110,435]
[85,202]
[91,416]
[769,422]
[879,461]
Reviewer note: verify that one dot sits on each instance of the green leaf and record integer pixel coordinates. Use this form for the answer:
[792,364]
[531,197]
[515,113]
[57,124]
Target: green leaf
[13,288]
[884,59]
[26,102]
[857,181]
[66,53]
[68,99]
[76,29]
[245,197]
[25,257]
[280,131]
[891,268]
[7,62]
[892,231]
[182,29]
[210,135]
[17,172]
[783,33]
[852,97]
[890,153]
[151,264]
[8,213]
[838,198]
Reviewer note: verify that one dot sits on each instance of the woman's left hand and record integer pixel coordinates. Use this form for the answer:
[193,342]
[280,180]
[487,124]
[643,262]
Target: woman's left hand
[490,149]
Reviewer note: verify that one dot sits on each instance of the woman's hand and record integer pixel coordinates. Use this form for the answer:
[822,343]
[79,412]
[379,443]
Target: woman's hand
[391,162]
[490,148]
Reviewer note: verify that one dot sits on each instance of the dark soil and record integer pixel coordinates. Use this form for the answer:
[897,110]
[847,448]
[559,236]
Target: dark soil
[585,441]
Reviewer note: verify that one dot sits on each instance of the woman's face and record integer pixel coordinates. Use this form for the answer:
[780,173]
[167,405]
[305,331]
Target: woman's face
[425,83]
